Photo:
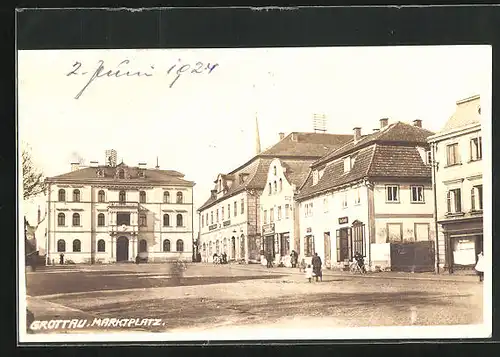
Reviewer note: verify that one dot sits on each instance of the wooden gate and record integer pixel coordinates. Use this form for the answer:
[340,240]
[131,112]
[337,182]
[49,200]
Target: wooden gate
[413,256]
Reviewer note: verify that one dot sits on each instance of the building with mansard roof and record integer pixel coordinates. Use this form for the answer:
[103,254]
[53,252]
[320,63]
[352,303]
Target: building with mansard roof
[230,218]
[373,191]
[458,173]
[115,213]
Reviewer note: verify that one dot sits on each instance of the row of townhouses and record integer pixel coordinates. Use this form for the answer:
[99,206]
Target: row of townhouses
[114,212]
[336,195]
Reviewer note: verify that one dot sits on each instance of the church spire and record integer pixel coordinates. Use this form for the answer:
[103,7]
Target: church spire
[257,136]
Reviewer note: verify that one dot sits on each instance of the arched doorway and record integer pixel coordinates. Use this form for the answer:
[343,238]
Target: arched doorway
[122,249]
[233,248]
[242,247]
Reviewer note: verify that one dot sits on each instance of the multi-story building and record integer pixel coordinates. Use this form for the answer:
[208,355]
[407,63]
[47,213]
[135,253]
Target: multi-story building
[230,218]
[374,190]
[113,213]
[458,172]
[279,226]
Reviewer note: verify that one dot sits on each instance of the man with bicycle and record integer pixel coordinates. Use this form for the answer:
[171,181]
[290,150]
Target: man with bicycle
[360,260]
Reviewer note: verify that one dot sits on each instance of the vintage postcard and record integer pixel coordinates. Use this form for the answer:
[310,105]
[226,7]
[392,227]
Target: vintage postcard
[223,194]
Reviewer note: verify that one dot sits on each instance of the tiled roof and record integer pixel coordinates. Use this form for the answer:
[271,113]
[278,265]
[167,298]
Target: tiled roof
[390,153]
[300,144]
[397,132]
[296,171]
[151,175]
[466,113]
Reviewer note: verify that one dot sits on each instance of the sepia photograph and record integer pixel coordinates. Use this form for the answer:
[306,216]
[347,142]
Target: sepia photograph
[254,193]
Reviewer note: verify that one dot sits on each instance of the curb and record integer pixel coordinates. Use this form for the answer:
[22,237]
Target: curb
[377,276]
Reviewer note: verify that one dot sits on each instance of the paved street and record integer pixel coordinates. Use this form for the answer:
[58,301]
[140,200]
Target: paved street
[245,295]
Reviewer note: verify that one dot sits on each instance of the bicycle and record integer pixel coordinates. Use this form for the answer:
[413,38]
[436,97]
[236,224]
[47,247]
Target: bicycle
[355,268]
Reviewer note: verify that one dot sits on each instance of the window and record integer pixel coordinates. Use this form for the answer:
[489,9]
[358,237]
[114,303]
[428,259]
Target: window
[76,195]
[428,156]
[217,246]
[315,177]
[358,238]
[394,232]
[61,219]
[142,197]
[235,208]
[271,215]
[452,154]
[274,170]
[202,221]
[100,220]
[476,149]
[61,245]
[222,213]
[242,206]
[275,187]
[284,244]
[454,201]
[344,200]
[357,196]
[166,220]
[179,197]
[143,246]
[122,197]
[123,219]
[392,193]
[417,194]
[422,231]
[179,220]
[228,211]
[308,209]
[101,196]
[309,246]
[143,220]
[61,195]
[76,219]
[166,245]
[166,197]
[206,218]
[477,198]
[217,215]
[179,245]
[347,164]
[101,245]
[265,216]
[212,217]
[77,245]
[270,188]
[121,174]
[287,214]
[279,213]
[281,185]
[325,204]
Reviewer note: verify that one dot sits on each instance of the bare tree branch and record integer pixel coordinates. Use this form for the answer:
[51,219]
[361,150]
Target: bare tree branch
[33,180]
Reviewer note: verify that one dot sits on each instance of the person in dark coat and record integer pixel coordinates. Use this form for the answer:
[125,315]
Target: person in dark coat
[294,257]
[61,258]
[269,260]
[316,263]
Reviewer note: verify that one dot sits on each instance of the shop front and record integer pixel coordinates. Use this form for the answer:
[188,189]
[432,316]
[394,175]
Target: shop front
[463,242]
[268,242]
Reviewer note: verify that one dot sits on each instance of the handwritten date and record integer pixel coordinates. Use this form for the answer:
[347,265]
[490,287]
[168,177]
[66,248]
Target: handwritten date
[123,70]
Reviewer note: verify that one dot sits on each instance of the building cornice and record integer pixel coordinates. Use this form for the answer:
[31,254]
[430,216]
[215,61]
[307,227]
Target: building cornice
[464,130]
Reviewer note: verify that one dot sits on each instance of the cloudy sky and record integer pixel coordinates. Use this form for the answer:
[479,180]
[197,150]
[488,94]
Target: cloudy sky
[204,123]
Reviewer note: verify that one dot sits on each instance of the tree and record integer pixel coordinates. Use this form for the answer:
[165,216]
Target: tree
[33,180]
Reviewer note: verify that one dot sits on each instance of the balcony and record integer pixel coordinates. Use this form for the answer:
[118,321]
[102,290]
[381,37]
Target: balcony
[124,204]
[118,229]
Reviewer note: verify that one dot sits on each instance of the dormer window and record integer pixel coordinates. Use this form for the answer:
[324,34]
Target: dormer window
[274,170]
[121,174]
[320,173]
[347,164]
[142,173]
[315,177]
[100,173]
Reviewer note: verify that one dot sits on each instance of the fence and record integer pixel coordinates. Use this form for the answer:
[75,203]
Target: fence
[413,256]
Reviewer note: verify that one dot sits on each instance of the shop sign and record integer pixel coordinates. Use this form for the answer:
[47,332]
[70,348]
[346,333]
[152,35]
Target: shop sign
[226,223]
[308,230]
[212,227]
[343,220]
[268,229]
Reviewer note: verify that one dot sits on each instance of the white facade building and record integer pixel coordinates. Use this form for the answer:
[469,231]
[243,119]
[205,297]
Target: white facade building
[458,173]
[372,192]
[103,213]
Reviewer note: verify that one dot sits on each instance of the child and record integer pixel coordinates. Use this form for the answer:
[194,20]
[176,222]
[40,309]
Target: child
[302,266]
[309,272]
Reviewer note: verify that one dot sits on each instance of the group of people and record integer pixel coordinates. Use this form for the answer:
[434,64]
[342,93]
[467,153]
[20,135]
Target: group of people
[220,258]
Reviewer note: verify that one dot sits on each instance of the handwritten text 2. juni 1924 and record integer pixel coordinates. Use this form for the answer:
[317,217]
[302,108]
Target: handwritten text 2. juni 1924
[124,69]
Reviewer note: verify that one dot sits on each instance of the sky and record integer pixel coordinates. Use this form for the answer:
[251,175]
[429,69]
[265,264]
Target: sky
[204,123]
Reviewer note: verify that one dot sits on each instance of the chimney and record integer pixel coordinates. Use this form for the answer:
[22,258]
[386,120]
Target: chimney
[75,166]
[417,123]
[383,122]
[94,163]
[376,130]
[39,217]
[282,136]
[357,133]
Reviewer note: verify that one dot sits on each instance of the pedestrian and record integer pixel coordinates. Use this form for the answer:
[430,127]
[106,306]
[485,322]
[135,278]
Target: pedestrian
[293,259]
[269,259]
[302,266]
[224,258]
[316,263]
[360,260]
[309,272]
[480,266]
[61,258]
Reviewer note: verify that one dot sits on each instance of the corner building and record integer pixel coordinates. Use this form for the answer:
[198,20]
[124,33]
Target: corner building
[113,213]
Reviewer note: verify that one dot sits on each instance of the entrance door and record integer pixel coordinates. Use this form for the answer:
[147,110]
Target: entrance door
[343,250]
[269,246]
[233,248]
[328,250]
[122,249]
